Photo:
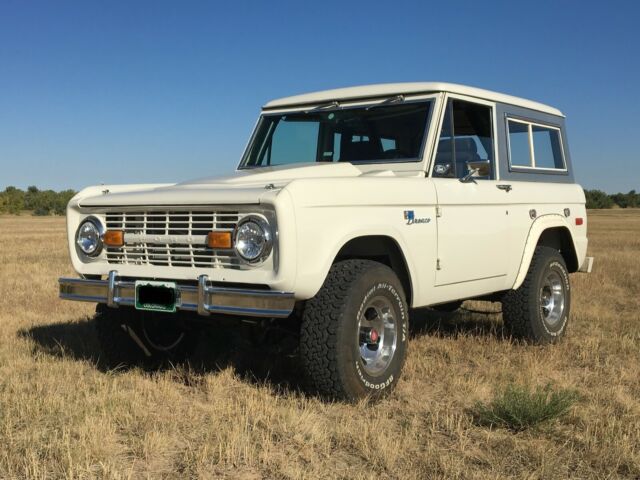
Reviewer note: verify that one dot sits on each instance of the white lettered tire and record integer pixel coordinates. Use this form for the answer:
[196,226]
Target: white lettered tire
[538,311]
[354,332]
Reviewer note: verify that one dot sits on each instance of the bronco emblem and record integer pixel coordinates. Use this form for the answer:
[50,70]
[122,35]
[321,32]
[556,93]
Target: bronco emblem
[410,217]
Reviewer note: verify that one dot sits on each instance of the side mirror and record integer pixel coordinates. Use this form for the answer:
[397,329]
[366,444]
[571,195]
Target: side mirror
[481,168]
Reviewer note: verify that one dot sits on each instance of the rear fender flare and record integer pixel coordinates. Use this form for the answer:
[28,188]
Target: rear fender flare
[542,223]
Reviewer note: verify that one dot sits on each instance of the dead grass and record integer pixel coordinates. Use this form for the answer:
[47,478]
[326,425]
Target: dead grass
[235,416]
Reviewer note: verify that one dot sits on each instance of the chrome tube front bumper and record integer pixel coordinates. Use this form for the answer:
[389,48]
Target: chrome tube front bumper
[204,298]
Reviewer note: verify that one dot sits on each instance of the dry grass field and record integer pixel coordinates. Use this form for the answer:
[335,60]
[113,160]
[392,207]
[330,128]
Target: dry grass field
[237,413]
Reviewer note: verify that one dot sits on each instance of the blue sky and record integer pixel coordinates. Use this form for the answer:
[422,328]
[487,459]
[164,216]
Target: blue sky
[153,91]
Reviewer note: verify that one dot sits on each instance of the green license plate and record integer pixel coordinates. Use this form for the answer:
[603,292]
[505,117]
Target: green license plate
[156,296]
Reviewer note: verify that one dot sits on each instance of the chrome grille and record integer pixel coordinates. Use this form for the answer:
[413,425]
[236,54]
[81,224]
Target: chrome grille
[171,238]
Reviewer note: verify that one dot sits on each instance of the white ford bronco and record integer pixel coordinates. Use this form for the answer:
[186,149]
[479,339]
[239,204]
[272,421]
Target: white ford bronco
[349,208]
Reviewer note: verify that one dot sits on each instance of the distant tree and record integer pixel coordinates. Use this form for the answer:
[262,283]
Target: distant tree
[620,199]
[627,200]
[63,198]
[31,198]
[13,200]
[40,202]
[598,199]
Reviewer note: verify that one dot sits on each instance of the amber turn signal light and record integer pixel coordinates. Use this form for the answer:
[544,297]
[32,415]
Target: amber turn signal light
[219,240]
[113,238]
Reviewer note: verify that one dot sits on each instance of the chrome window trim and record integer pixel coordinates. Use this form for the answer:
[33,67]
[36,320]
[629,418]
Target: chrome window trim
[533,168]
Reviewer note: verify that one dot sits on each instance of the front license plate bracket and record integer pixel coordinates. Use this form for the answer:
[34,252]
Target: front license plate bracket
[156,296]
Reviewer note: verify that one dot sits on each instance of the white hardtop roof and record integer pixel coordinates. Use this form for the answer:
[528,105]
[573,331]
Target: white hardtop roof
[390,89]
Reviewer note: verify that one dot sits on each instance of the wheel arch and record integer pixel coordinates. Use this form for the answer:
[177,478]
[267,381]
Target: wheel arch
[383,249]
[550,231]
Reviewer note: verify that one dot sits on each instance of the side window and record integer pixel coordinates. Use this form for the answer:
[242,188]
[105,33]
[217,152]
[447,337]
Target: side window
[519,144]
[534,146]
[466,141]
[546,147]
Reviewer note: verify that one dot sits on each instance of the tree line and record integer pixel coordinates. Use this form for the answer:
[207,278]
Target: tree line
[38,202]
[600,199]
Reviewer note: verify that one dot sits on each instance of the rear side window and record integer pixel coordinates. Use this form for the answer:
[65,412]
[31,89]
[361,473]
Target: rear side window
[534,146]
[520,149]
[546,147]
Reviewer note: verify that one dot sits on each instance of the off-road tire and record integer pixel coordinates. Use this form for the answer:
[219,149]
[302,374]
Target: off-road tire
[329,337]
[522,308]
[124,338]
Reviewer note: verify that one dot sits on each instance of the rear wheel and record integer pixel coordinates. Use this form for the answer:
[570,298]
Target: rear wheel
[354,332]
[129,337]
[538,310]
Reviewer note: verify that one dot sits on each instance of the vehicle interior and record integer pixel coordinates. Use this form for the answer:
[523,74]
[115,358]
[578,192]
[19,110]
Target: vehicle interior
[465,141]
[379,133]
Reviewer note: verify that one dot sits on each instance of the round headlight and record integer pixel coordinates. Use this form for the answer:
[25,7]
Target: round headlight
[253,239]
[89,237]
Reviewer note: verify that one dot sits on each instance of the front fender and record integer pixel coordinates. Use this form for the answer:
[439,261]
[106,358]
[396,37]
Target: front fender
[309,284]
[322,246]
[388,232]
[331,212]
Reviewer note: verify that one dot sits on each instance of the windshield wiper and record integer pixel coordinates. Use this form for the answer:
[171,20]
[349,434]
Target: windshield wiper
[324,106]
[394,99]
[335,104]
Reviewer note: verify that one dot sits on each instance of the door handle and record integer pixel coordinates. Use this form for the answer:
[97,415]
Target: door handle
[506,188]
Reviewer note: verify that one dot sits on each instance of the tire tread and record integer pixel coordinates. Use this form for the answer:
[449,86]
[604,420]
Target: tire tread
[516,303]
[321,320]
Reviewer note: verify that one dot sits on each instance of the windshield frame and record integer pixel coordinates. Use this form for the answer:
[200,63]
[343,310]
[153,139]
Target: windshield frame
[433,99]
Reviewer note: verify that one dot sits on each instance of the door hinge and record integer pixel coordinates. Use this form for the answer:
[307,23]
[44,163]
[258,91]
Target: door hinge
[438,212]
[438,267]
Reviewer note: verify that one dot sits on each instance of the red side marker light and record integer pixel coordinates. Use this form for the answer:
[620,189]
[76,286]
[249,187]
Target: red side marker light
[579,220]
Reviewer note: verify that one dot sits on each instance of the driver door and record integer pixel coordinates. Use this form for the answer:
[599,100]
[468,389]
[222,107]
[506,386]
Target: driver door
[472,216]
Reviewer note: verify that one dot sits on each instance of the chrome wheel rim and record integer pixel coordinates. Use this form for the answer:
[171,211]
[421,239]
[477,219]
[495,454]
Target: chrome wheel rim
[552,298]
[377,335]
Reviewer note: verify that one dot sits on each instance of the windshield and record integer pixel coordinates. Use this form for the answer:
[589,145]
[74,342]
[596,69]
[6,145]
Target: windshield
[378,133]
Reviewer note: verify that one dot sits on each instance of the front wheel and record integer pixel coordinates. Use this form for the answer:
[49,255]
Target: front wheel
[538,311]
[354,332]
[131,337]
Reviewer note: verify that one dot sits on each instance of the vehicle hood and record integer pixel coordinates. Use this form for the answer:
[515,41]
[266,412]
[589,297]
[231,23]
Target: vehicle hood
[242,187]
